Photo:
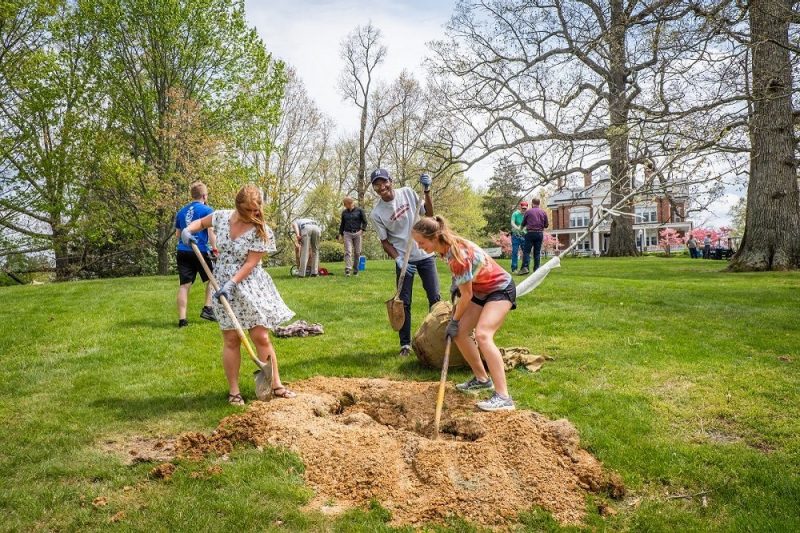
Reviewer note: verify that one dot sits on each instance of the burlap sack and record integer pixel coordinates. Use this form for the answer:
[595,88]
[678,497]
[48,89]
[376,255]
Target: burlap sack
[429,340]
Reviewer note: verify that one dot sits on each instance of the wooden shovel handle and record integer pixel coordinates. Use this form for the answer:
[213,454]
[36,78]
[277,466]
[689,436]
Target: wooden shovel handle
[442,382]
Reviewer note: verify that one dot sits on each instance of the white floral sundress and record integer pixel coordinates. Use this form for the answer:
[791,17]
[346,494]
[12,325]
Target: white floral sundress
[255,301]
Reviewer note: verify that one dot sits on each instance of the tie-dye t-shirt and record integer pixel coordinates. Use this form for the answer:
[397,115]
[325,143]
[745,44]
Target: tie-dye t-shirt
[484,273]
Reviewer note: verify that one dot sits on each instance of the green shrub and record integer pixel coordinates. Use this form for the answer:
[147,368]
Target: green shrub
[331,251]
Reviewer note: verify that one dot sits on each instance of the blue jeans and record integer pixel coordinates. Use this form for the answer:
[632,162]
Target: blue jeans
[533,239]
[426,269]
[517,242]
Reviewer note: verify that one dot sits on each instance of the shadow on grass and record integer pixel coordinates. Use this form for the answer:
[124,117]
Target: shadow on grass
[156,406]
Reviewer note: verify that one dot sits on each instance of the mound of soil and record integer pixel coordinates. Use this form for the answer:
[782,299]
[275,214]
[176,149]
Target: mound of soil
[370,438]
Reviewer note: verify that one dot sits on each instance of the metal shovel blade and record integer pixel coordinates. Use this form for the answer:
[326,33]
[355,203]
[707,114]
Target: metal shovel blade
[397,313]
[263,379]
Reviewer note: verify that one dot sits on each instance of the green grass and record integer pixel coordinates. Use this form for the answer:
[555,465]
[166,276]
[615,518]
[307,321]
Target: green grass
[680,377]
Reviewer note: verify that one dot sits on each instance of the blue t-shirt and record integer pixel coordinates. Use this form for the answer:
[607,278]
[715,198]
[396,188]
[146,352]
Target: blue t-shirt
[188,214]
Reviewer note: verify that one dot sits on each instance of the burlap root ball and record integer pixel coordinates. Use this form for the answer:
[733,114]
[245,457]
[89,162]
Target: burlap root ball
[429,340]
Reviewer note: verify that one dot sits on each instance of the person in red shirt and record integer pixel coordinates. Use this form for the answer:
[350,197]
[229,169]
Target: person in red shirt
[487,295]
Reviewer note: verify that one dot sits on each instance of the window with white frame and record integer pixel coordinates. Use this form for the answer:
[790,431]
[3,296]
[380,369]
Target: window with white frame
[651,240]
[579,217]
[646,213]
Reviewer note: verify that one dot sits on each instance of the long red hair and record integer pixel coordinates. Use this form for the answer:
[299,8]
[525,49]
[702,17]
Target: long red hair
[251,195]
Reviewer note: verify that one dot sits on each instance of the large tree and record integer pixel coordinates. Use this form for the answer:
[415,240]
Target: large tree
[577,85]
[49,120]
[363,52]
[771,238]
[163,57]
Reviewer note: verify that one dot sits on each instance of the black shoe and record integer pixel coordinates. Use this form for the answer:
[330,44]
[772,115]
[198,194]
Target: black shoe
[182,323]
[523,271]
[405,350]
[208,314]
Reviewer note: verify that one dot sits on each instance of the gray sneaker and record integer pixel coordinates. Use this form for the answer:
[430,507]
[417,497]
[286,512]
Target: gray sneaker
[496,403]
[475,385]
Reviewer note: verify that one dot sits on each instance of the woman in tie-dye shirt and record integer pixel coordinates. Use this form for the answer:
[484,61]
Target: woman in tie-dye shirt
[487,295]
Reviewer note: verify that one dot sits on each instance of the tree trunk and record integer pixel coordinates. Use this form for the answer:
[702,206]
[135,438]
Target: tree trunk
[361,179]
[622,241]
[772,226]
[61,252]
[165,231]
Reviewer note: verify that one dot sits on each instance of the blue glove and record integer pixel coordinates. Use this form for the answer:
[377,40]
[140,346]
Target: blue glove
[452,328]
[411,269]
[226,290]
[187,237]
[425,180]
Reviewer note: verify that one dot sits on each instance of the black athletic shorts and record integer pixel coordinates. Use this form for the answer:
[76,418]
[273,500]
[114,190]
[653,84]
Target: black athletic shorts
[509,293]
[189,266]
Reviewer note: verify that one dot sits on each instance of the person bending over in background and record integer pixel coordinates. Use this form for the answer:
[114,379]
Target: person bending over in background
[243,239]
[307,233]
[188,263]
[487,295]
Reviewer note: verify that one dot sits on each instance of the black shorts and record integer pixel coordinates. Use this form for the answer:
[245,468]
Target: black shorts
[189,266]
[509,293]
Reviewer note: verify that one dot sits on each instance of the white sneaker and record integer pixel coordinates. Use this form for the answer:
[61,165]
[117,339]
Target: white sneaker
[496,403]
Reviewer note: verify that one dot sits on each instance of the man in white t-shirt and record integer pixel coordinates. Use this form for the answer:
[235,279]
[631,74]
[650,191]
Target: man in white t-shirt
[394,216]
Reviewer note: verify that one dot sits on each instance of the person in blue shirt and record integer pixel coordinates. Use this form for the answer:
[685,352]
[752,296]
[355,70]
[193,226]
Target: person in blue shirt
[188,263]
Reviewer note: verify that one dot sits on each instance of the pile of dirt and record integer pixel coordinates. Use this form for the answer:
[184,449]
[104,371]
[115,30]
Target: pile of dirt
[370,438]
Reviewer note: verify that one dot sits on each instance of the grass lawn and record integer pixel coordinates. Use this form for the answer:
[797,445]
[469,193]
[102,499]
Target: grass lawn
[683,379]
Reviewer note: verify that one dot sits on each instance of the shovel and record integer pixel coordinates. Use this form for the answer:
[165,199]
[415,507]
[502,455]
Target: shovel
[394,305]
[263,376]
[442,381]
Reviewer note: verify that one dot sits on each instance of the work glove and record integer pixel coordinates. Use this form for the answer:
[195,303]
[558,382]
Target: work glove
[452,328]
[425,180]
[187,237]
[410,269]
[226,290]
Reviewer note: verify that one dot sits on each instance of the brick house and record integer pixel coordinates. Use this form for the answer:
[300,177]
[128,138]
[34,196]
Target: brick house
[573,210]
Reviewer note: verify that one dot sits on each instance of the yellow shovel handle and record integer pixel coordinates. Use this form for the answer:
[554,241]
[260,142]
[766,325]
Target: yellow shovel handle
[228,310]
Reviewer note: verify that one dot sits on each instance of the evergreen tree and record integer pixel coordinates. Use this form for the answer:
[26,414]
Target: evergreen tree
[503,195]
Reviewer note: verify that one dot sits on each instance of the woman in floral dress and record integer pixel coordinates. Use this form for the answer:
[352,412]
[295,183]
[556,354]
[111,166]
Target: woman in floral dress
[242,239]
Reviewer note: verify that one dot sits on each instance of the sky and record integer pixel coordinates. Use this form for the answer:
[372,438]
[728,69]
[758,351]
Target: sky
[307,35]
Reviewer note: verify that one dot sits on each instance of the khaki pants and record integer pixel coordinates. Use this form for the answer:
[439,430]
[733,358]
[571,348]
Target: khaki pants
[309,244]
[352,250]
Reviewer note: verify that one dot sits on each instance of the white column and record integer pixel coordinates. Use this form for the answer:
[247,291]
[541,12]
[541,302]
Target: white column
[596,242]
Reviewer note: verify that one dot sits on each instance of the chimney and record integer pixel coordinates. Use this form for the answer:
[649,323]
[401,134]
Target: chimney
[587,178]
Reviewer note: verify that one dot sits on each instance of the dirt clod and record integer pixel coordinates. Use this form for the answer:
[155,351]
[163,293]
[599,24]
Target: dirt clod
[163,471]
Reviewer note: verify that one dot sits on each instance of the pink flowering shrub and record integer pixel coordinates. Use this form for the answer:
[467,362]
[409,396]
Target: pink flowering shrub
[669,237]
[503,240]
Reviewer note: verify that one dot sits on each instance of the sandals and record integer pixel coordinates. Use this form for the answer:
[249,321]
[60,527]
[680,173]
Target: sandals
[235,399]
[283,392]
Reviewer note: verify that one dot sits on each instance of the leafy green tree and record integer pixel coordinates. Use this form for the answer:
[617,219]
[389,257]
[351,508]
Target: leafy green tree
[189,85]
[48,82]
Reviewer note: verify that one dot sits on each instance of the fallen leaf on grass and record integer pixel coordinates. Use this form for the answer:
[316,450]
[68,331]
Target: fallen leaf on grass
[117,517]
